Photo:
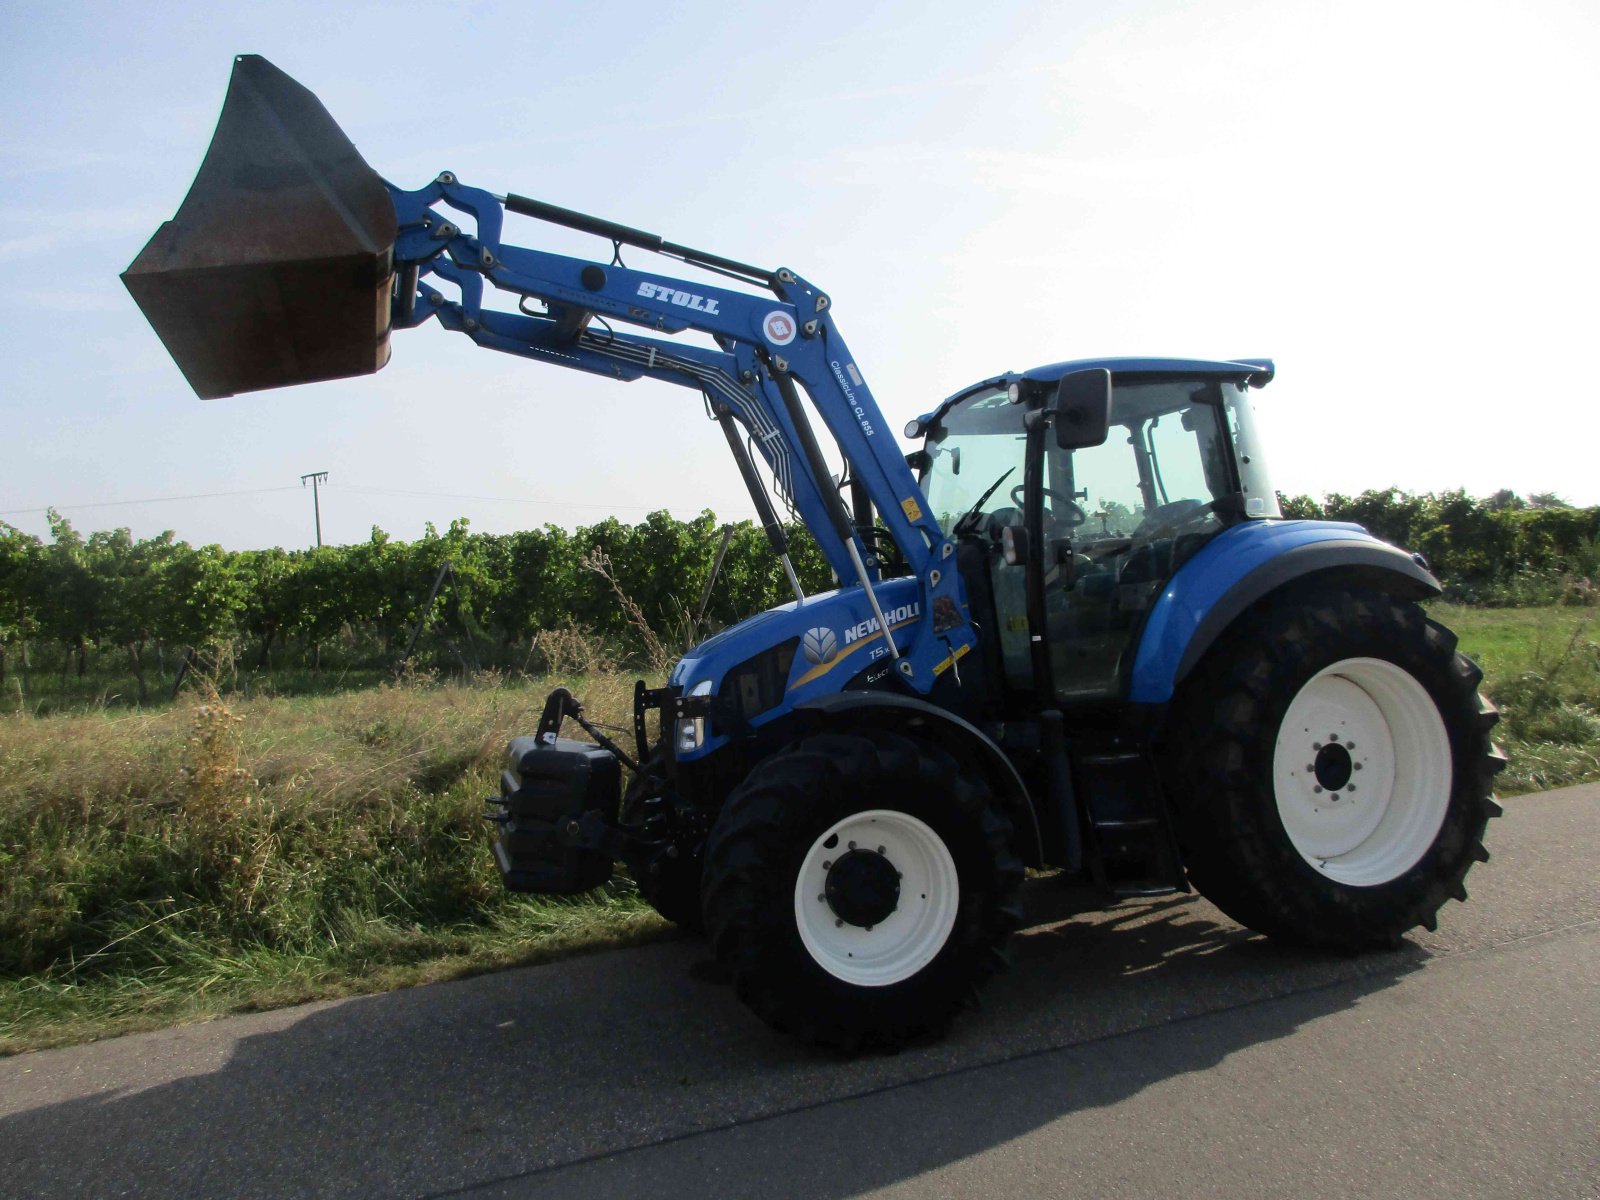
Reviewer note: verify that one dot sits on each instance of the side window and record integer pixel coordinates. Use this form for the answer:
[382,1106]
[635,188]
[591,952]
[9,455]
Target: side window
[1104,481]
[1188,460]
[1146,473]
[1260,498]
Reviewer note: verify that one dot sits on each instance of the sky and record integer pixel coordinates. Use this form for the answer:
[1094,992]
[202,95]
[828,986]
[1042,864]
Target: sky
[1394,200]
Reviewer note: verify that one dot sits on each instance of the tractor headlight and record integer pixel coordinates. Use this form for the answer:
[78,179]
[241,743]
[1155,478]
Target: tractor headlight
[692,730]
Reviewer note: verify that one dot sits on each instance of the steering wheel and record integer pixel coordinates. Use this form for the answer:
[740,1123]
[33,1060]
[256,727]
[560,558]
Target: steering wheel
[1063,509]
[1169,518]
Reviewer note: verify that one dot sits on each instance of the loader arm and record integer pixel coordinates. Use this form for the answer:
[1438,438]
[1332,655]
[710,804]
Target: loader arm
[766,346]
[291,261]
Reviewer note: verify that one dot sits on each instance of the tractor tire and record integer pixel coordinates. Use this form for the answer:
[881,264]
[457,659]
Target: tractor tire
[670,884]
[860,888]
[1331,770]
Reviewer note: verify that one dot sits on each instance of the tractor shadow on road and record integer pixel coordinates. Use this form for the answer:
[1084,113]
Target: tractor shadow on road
[535,1081]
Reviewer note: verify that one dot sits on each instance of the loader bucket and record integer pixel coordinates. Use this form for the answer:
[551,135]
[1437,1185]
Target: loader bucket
[277,267]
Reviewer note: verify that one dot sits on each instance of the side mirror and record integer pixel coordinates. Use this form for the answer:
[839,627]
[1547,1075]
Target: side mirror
[1082,407]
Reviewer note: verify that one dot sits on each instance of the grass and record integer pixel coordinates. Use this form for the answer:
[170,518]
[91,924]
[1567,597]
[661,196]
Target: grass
[1543,670]
[174,864]
[171,865]
[197,980]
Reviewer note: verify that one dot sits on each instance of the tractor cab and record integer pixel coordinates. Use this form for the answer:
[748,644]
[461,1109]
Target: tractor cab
[1064,547]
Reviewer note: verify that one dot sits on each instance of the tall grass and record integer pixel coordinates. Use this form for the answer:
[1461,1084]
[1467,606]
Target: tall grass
[228,852]
[161,864]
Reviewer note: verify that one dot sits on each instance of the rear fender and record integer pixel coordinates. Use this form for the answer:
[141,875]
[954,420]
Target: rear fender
[1244,565]
[919,718]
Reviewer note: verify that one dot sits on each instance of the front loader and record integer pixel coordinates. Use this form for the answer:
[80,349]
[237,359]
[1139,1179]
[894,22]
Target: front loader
[1071,630]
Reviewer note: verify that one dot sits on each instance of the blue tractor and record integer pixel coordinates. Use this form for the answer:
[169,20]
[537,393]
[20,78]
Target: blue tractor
[1071,628]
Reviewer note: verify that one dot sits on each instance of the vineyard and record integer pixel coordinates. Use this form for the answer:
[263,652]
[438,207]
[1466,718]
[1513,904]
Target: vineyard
[109,619]
[81,614]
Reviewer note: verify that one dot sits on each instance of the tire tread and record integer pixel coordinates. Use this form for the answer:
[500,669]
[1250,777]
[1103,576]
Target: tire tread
[771,816]
[1236,855]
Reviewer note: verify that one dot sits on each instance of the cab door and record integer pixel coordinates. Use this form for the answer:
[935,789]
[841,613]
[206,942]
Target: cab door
[1110,524]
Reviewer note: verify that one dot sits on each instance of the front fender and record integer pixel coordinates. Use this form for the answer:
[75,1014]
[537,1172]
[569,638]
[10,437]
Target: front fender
[1241,566]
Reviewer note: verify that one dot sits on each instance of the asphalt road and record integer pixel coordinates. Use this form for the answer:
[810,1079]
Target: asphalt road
[1150,1049]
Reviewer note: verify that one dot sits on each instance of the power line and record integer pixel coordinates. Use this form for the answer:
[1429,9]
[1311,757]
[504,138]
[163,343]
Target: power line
[10,512]
[348,488]
[498,499]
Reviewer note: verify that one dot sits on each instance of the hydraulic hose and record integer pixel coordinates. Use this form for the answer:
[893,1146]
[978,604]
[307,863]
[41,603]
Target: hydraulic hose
[831,500]
[758,496]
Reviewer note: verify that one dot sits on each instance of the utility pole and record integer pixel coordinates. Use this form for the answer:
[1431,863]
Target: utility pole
[316,477]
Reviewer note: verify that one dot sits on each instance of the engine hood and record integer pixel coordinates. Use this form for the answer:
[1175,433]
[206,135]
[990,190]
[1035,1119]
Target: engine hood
[835,635]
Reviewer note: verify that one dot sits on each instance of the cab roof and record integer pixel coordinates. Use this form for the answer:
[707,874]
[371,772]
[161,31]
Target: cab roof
[1257,372]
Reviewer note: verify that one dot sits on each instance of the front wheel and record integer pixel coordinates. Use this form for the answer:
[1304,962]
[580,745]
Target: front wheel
[1331,770]
[860,888]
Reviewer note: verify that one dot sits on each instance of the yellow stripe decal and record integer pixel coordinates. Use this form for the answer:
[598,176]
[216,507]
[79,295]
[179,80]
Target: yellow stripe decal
[956,657]
[822,669]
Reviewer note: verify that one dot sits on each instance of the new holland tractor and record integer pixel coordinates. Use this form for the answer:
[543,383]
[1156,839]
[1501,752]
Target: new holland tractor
[1071,628]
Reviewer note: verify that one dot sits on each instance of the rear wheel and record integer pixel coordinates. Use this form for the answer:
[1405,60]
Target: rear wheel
[860,888]
[1331,770]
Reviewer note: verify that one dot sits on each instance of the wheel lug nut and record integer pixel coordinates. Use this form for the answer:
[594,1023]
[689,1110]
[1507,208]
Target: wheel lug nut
[839,923]
[1316,745]
[852,845]
[826,865]
[1317,789]
[880,849]
[1310,768]
[1358,766]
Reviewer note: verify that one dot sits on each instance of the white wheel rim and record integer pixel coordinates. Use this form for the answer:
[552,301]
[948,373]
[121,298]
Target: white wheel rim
[1369,727]
[907,939]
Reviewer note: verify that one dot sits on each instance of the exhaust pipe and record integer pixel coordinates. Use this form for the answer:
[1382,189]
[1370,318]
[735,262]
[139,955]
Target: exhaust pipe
[278,267]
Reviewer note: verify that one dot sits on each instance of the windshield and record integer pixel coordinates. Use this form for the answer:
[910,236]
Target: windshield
[969,450]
